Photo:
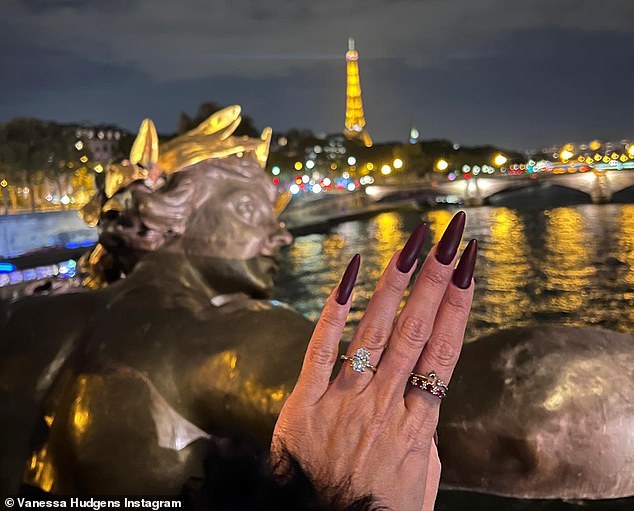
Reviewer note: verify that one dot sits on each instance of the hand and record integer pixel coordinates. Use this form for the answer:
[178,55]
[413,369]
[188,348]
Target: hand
[371,434]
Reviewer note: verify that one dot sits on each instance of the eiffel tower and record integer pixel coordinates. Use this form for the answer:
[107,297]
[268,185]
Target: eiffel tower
[355,120]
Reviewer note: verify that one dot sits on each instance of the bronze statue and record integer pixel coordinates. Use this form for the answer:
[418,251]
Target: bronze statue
[117,390]
[542,413]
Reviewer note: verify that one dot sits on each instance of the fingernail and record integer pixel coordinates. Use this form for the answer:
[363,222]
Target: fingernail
[347,281]
[436,437]
[448,244]
[463,273]
[412,249]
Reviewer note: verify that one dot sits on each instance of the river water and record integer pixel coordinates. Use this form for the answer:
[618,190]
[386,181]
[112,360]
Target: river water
[570,265]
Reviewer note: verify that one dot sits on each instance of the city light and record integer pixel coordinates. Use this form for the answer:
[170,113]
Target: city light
[316,188]
[83,159]
[294,189]
[369,165]
[305,178]
[352,160]
[275,170]
[79,145]
[310,164]
[298,165]
[99,168]
[397,163]
[566,154]
[4,183]
[499,159]
[351,187]
[630,150]
[442,165]
[386,170]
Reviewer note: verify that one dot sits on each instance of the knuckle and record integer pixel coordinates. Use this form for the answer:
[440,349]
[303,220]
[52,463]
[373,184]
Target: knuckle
[396,283]
[434,277]
[443,351]
[414,331]
[321,354]
[374,337]
[413,431]
[459,302]
[332,320]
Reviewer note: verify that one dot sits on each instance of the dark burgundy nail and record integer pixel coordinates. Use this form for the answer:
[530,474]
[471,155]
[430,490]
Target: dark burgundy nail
[450,241]
[436,437]
[464,271]
[347,281]
[412,249]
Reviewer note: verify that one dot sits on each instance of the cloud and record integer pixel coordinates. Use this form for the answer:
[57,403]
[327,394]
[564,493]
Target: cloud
[171,40]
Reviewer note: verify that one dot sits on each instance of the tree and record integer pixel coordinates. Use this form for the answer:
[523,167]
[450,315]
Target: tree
[32,149]
[208,108]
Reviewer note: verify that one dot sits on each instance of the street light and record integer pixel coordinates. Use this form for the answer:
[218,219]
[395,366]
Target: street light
[386,170]
[397,163]
[499,160]
[442,165]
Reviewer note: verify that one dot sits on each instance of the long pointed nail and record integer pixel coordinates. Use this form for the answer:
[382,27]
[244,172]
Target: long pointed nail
[464,271]
[450,241]
[412,249]
[348,280]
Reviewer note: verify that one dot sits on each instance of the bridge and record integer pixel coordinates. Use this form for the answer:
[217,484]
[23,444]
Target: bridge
[598,185]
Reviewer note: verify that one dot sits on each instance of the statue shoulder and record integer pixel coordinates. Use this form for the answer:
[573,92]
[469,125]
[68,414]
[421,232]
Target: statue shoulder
[269,319]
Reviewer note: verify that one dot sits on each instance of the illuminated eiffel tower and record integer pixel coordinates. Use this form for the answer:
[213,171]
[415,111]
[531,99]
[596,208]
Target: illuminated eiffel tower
[355,120]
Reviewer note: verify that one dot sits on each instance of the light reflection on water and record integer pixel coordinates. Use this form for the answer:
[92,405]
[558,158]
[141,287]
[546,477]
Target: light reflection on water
[570,265]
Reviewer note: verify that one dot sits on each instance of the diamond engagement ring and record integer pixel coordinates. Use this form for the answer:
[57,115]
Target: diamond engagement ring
[360,361]
[430,383]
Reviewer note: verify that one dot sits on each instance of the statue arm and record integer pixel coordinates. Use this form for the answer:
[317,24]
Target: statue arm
[244,384]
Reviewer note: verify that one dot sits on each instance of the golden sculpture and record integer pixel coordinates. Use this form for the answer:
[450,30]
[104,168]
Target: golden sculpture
[149,163]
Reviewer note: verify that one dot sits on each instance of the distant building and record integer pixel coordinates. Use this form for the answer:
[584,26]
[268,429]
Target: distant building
[102,141]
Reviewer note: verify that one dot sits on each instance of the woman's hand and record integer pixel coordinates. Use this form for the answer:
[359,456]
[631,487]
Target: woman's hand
[371,433]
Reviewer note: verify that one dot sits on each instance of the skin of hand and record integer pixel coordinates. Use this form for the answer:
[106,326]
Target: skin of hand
[371,433]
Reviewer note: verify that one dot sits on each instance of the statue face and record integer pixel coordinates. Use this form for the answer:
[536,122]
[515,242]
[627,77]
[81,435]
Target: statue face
[234,239]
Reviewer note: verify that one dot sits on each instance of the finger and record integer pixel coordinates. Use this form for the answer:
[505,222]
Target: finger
[432,480]
[415,323]
[376,325]
[321,353]
[443,349]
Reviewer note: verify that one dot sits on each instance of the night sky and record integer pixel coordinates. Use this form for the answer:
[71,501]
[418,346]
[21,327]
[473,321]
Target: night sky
[518,73]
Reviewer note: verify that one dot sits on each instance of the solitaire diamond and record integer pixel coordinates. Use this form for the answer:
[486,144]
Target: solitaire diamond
[360,360]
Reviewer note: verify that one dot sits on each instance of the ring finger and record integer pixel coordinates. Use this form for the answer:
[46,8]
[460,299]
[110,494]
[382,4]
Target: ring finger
[441,352]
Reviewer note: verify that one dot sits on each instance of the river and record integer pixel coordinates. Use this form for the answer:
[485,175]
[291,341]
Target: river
[570,265]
